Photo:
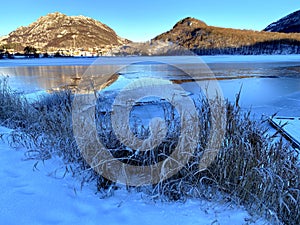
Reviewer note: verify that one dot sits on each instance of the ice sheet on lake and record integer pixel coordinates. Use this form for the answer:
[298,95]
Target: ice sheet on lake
[133,59]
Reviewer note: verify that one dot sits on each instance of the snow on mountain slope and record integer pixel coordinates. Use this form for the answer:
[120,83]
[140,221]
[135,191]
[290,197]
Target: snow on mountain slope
[287,24]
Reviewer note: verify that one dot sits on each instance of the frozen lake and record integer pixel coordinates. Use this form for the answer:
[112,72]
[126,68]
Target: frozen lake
[269,84]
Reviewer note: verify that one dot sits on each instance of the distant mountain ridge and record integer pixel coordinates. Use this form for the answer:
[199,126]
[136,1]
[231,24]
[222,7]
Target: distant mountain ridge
[193,36]
[188,36]
[287,24]
[57,30]
[197,36]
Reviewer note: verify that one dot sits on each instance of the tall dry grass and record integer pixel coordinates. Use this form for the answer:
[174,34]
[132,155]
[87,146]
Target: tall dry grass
[43,127]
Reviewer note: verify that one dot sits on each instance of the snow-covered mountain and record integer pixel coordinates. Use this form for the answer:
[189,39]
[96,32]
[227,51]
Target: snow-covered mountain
[287,24]
[57,30]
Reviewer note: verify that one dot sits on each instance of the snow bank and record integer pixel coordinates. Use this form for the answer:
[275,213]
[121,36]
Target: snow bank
[40,196]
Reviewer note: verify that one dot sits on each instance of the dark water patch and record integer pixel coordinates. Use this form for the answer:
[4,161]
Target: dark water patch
[221,78]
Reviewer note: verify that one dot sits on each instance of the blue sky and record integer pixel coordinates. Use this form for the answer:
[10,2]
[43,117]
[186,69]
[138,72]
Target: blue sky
[140,20]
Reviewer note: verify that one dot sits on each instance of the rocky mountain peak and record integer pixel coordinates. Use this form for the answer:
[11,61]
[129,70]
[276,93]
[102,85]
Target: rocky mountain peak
[57,30]
[190,22]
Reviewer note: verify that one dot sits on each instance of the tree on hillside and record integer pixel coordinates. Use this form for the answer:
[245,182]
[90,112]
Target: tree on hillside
[30,50]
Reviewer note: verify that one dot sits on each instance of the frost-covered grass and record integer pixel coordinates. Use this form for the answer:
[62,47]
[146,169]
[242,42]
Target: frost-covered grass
[44,126]
[251,168]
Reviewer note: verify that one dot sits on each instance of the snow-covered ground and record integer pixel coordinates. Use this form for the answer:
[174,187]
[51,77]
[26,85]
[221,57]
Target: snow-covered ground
[31,196]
